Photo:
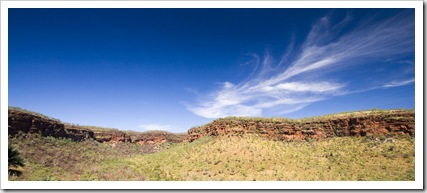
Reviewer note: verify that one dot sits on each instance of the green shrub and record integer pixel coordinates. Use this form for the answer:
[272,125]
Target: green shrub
[14,161]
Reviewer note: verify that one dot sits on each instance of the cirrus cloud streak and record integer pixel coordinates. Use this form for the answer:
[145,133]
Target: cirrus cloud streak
[291,85]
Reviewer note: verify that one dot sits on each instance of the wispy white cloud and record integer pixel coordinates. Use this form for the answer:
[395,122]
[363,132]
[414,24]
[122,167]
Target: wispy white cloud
[317,87]
[155,127]
[292,84]
[398,83]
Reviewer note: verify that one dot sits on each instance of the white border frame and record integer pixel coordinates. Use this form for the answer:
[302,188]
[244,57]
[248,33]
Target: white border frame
[417,184]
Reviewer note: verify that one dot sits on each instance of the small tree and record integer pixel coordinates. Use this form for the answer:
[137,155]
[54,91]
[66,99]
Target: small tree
[15,161]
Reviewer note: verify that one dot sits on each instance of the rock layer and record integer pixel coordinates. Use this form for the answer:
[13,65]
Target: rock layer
[29,122]
[365,123]
[159,137]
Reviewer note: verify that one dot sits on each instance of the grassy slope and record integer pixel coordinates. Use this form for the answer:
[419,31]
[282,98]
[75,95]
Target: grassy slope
[253,158]
[221,158]
[49,158]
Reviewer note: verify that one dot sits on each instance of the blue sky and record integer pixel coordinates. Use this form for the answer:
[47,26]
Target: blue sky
[171,69]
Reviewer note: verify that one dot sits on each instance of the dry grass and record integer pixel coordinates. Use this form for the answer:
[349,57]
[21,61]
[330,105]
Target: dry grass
[228,158]
[49,158]
[252,158]
[148,135]
[32,113]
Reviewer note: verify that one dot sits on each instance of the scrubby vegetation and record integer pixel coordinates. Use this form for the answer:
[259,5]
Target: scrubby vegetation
[247,157]
[32,113]
[236,155]
[172,137]
[49,158]
[14,162]
[254,158]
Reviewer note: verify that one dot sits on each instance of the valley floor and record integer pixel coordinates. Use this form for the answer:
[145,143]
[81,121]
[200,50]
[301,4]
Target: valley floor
[228,158]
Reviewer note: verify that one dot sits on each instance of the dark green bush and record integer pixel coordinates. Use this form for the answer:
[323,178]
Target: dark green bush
[14,161]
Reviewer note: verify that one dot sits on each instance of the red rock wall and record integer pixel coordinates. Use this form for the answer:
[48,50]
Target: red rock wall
[159,137]
[25,122]
[378,124]
[111,136]
[28,123]
[388,123]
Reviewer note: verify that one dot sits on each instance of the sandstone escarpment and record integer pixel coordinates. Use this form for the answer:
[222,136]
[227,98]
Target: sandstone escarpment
[111,136]
[364,123]
[154,137]
[20,121]
[78,134]
[24,121]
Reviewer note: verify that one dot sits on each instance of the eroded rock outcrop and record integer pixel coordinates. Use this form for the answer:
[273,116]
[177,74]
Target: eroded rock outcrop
[111,136]
[24,121]
[28,123]
[78,134]
[364,123]
[154,137]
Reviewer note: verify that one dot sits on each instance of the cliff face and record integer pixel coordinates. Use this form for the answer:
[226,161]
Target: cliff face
[367,123]
[111,136]
[159,137]
[30,122]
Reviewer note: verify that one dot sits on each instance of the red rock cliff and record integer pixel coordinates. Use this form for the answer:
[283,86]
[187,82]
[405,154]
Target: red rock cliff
[363,123]
[24,121]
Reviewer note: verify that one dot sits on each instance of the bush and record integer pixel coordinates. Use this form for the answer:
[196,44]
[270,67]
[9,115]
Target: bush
[14,161]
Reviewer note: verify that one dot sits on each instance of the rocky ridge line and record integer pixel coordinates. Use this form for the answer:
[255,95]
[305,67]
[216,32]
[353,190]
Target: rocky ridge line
[364,123]
[376,123]
[22,121]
